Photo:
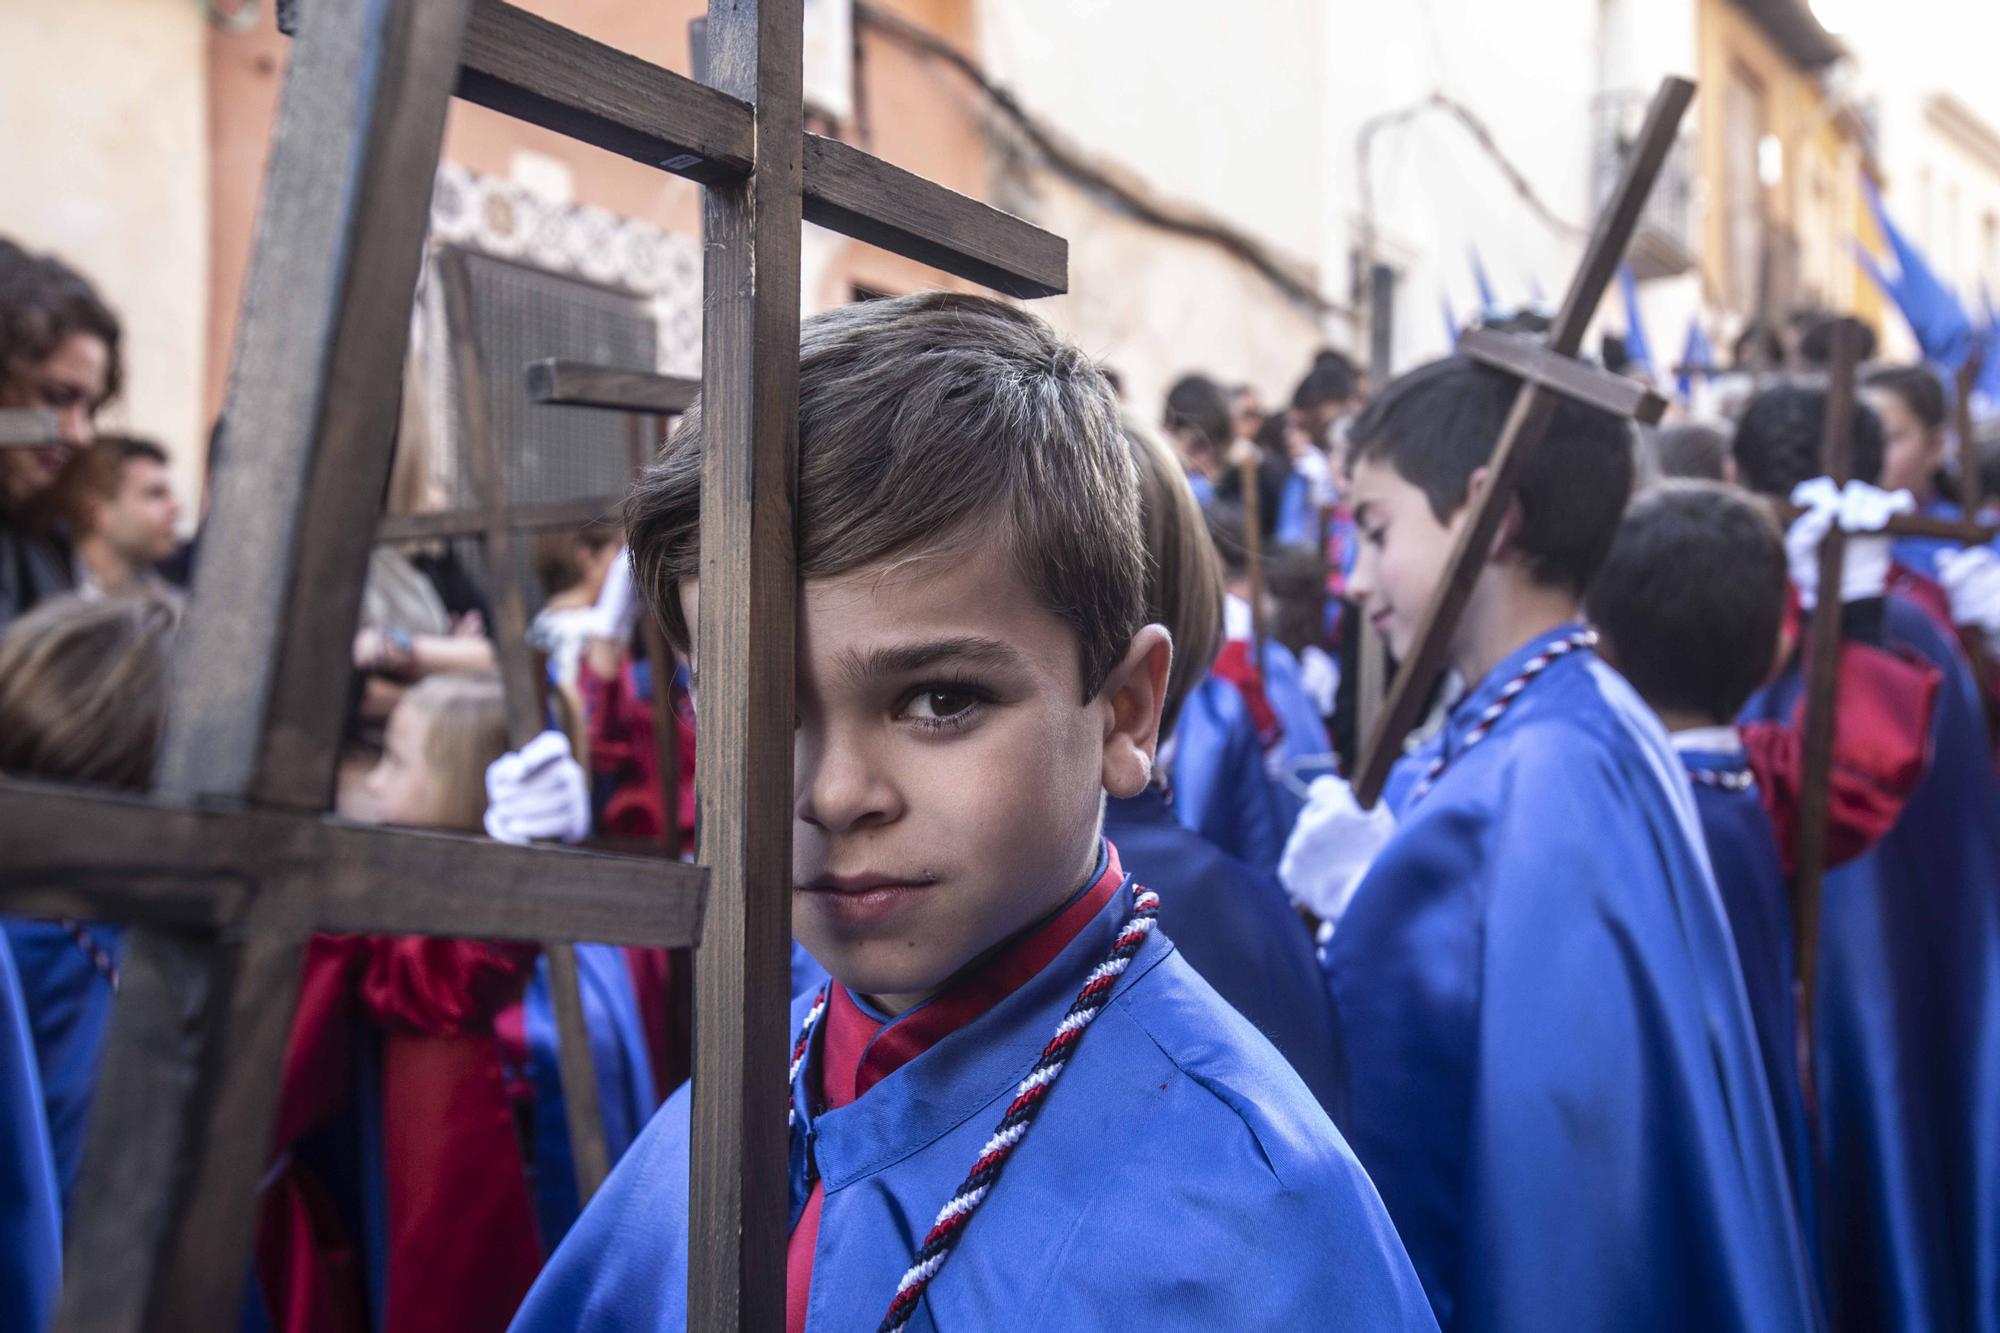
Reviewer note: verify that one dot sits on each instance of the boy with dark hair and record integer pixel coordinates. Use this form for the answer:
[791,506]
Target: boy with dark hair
[1552,1075]
[974,676]
[1690,607]
[123,516]
[1906,1033]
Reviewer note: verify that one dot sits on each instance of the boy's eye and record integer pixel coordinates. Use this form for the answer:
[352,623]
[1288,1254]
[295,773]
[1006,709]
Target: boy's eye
[941,704]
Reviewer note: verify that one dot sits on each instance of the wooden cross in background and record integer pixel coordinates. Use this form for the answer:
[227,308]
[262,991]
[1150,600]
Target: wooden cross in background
[1823,675]
[647,399]
[1547,372]
[230,866]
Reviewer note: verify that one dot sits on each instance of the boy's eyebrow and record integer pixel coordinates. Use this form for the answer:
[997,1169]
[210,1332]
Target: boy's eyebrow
[978,650]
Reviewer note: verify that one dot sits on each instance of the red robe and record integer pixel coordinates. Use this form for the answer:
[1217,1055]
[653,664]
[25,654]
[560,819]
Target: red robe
[450,1152]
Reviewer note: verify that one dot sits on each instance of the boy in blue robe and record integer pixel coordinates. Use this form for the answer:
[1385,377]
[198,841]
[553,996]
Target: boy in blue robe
[974,676]
[1691,607]
[1907,1019]
[1230,920]
[1551,1070]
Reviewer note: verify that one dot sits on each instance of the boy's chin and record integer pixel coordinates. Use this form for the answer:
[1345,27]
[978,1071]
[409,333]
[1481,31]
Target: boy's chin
[897,972]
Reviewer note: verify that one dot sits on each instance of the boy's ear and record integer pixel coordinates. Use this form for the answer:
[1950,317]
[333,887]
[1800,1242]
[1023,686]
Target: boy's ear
[1133,696]
[1510,524]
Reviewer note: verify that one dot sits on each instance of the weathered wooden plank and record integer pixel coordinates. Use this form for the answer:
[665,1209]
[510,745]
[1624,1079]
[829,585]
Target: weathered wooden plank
[1822,685]
[547,75]
[1528,359]
[263,663]
[527,67]
[736,1255]
[109,855]
[580,384]
[1526,424]
[848,191]
[663,666]
[522,518]
[523,687]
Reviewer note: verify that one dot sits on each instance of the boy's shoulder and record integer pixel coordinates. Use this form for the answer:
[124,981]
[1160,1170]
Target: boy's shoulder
[1237,1082]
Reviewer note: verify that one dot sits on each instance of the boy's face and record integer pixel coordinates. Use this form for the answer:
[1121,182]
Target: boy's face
[946,776]
[1402,552]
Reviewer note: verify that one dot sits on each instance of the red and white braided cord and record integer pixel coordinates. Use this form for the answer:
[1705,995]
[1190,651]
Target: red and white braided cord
[1028,1098]
[1493,712]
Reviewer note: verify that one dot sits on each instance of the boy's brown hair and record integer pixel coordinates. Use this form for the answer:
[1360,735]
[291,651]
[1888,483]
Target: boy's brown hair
[83,689]
[465,730]
[922,420]
[1184,576]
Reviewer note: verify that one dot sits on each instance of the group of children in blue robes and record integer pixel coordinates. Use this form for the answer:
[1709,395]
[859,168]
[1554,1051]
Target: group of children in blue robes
[1064,1055]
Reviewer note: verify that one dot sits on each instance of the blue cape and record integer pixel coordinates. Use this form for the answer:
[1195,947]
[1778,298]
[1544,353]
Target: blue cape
[1552,1075]
[69,1002]
[1906,1033]
[1743,849]
[1180,1177]
[30,1214]
[625,1094]
[1234,925]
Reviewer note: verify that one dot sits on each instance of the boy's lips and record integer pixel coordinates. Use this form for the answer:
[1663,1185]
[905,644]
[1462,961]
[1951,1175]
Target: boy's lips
[866,898]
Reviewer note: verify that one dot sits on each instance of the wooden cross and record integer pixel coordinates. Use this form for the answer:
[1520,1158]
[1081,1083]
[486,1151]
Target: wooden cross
[1548,373]
[645,397]
[229,866]
[1823,675]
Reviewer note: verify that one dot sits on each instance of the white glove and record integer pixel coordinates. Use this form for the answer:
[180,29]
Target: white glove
[538,791]
[617,609]
[1331,848]
[1972,578]
[1861,510]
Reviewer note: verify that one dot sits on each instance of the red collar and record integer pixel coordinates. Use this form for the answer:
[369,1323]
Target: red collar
[860,1051]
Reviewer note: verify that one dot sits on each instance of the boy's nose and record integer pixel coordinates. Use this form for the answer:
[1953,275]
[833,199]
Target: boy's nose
[840,788]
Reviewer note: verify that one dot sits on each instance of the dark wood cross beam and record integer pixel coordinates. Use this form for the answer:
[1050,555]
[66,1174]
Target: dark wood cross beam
[1822,684]
[180,1133]
[1543,384]
[645,397]
[522,681]
[230,866]
[1823,676]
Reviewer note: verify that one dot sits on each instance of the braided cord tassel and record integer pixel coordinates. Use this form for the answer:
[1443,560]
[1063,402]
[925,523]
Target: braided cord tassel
[1728,779]
[1020,1114]
[1496,710]
[799,1049]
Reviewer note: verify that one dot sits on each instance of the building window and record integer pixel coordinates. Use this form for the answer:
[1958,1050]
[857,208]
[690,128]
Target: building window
[1745,221]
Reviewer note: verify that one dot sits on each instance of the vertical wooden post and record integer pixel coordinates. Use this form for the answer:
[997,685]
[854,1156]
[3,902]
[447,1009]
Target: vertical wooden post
[1822,683]
[744,652]
[524,686]
[1253,555]
[660,661]
[162,1228]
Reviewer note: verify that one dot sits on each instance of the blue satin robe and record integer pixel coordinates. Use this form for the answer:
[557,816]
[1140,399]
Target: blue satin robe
[69,1003]
[1221,790]
[625,1096]
[1180,1177]
[1906,1033]
[1235,926]
[30,1210]
[1551,1071]
[1743,849]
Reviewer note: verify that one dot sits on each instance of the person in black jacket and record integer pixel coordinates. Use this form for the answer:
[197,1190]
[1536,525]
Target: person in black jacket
[58,353]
